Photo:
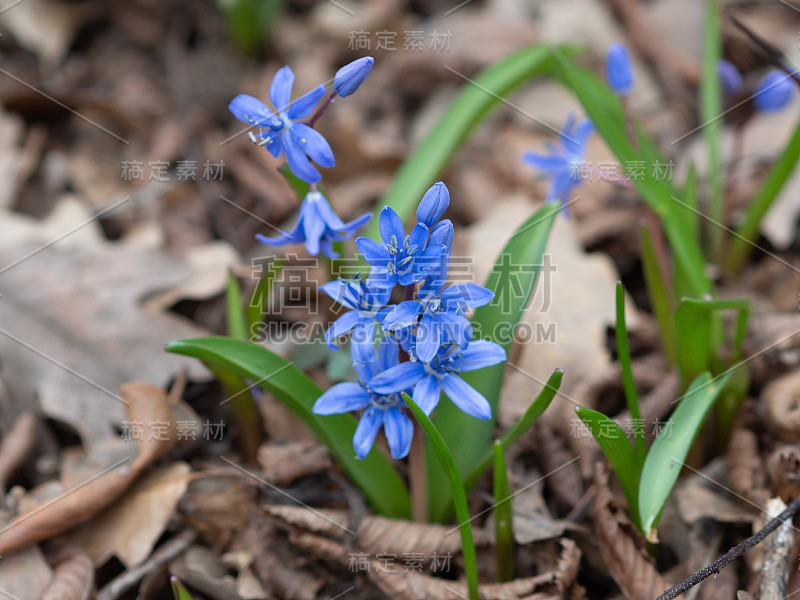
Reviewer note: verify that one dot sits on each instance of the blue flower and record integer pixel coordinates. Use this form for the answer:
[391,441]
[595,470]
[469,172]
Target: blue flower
[401,258]
[366,307]
[433,204]
[281,132]
[382,409]
[619,71]
[563,164]
[437,314]
[774,91]
[729,77]
[350,77]
[318,226]
[442,373]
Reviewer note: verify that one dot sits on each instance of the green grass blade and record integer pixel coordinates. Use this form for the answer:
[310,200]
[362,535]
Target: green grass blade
[669,450]
[657,292]
[607,114]
[503,518]
[614,444]
[690,202]
[710,111]
[747,230]
[459,495]
[628,384]
[374,475]
[473,103]
[258,305]
[178,590]
[237,325]
[469,438]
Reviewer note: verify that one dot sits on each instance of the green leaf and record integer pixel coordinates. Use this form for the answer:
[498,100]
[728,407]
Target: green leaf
[503,518]
[710,111]
[694,322]
[747,230]
[459,495]
[607,114]
[237,326]
[669,450]
[628,384]
[258,305]
[178,590]
[374,475]
[476,99]
[614,444]
[469,438]
[659,298]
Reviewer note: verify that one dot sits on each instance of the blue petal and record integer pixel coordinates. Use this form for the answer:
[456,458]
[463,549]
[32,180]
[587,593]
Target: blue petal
[295,236]
[367,429]
[313,227]
[582,132]
[313,144]
[426,393]
[430,262]
[379,277]
[544,162]
[467,295]
[429,338]
[404,315]
[374,253]
[433,204]
[364,361]
[303,106]
[442,233]
[482,353]
[466,397]
[281,89]
[351,227]
[250,110]
[560,188]
[399,430]
[387,353]
[341,326]
[398,378]
[454,328]
[341,292]
[364,333]
[619,70]
[342,398]
[390,225]
[418,236]
[298,161]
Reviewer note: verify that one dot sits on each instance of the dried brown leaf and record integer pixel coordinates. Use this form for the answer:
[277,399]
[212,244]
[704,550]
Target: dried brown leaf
[623,547]
[149,405]
[283,463]
[743,464]
[73,577]
[16,447]
[216,505]
[780,401]
[783,466]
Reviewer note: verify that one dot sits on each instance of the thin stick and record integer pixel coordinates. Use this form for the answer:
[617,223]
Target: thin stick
[733,553]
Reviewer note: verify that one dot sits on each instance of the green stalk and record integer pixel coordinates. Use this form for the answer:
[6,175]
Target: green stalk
[503,518]
[628,384]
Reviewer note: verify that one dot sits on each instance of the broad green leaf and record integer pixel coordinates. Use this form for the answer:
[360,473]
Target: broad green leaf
[659,297]
[503,518]
[237,325]
[628,384]
[445,457]
[374,475]
[698,341]
[615,445]
[607,114]
[710,111]
[470,438]
[476,99]
[668,452]
[747,230]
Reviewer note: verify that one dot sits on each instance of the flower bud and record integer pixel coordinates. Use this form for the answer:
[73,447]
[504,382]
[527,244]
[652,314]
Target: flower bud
[729,77]
[619,71]
[433,204]
[774,91]
[348,79]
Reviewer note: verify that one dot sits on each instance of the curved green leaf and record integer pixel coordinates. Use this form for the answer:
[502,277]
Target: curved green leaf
[375,475]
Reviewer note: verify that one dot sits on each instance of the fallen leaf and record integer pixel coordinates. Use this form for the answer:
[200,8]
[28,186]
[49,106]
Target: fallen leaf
[73,578]
[283,463]
[24,575]
[203,570]
[43,26]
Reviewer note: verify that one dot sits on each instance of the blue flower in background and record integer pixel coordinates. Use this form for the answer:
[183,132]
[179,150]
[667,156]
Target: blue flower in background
[729,77]
[774,91]
[281,132]
[318,226]
[619,71]
[366,307]
[401,258]
[442,374]
[382,409]
[350,77]
[563,163]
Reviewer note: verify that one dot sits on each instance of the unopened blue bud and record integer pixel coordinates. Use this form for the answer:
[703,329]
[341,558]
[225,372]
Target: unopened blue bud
[619,71]
[433,204]
[350,77]
[729,77]
[774,91]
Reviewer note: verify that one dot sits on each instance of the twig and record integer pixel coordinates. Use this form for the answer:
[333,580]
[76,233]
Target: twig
[119,585]
[735,552]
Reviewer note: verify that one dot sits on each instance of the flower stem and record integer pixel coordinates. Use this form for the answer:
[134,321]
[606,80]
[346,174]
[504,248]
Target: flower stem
[418,476]
[629,124]
[318,113]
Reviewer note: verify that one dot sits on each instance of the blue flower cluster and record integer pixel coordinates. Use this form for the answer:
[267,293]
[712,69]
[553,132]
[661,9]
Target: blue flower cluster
[773,91]
[429,329]
[282,133]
